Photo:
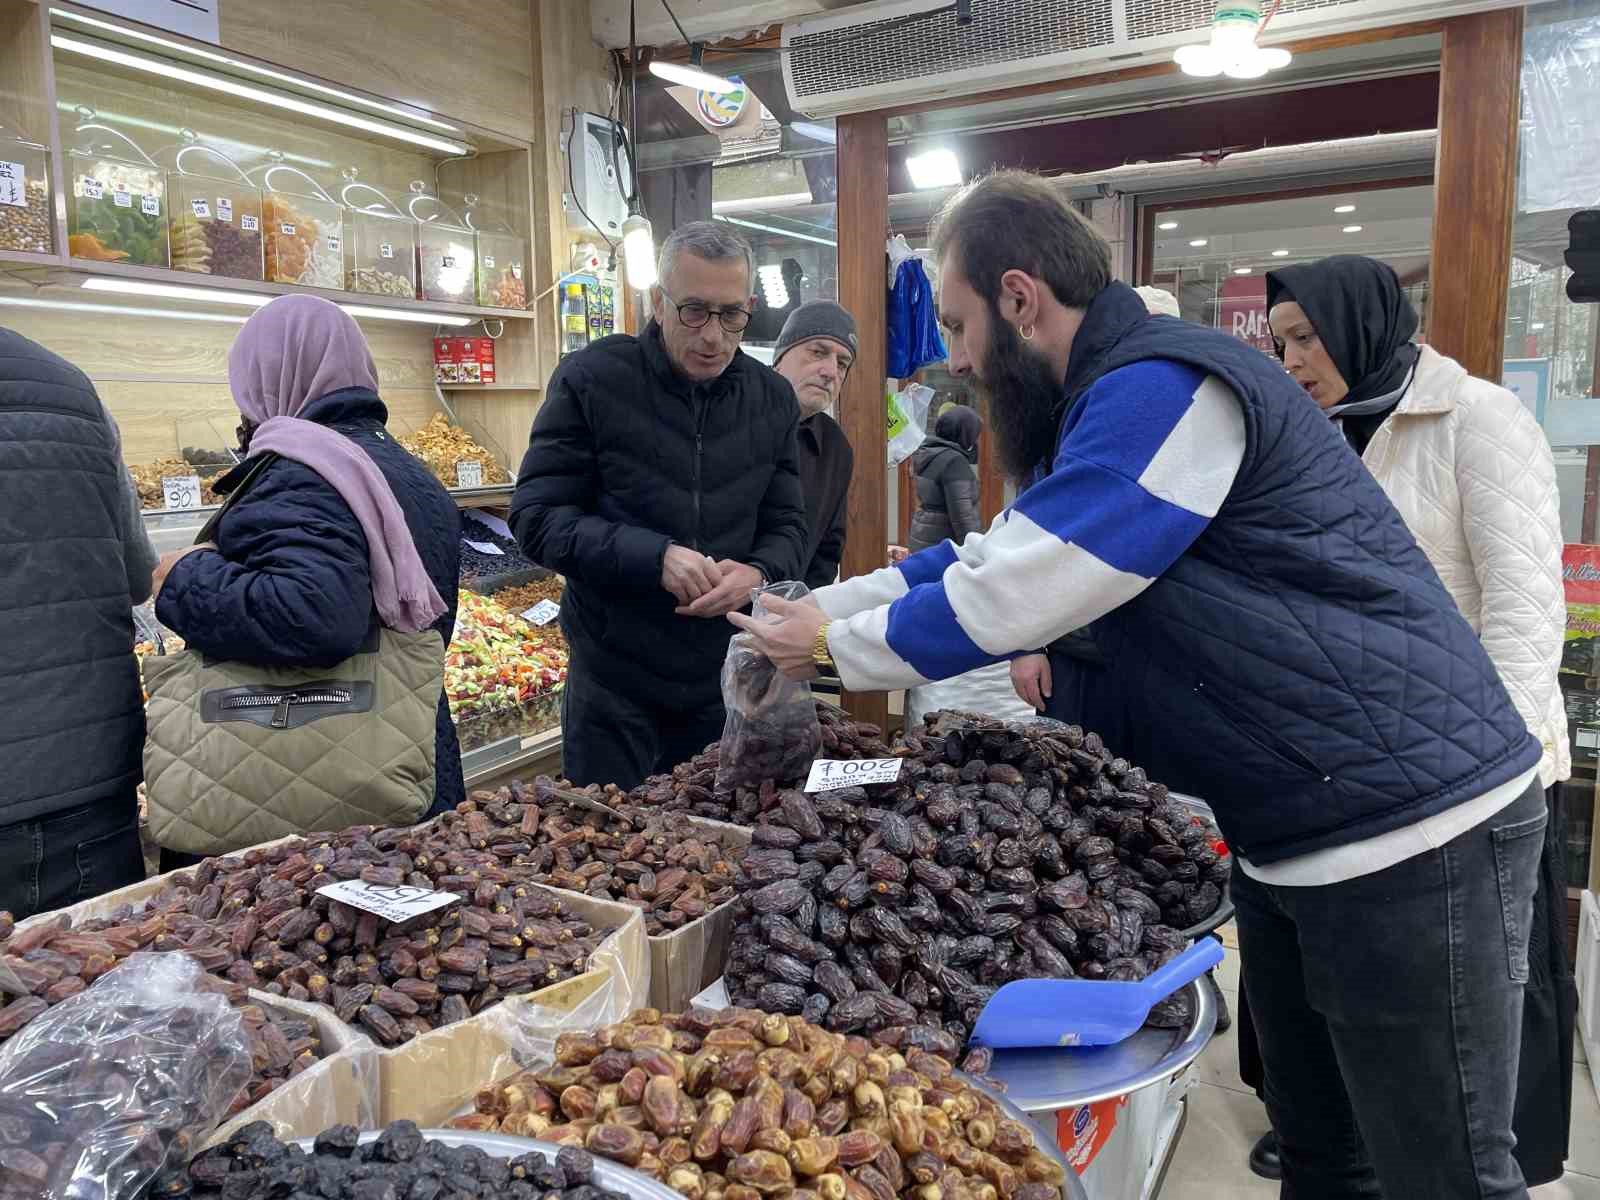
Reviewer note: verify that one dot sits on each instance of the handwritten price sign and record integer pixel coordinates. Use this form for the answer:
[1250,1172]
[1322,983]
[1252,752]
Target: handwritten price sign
[181,491]
[830,774]
[397,904]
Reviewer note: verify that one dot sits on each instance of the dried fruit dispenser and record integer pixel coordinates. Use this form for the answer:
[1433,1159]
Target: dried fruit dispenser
[380,243]
[502,258]
[24,194]
[117,210]
[302,227]
[216,214]
[447,248]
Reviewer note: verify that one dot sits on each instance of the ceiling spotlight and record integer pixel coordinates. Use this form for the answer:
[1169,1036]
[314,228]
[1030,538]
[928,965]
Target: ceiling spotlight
[1352,229]
[1232,50]
[1197,242]
[1345,208]
[934,169]
[1280,254]
[1169,226]
[1241,270]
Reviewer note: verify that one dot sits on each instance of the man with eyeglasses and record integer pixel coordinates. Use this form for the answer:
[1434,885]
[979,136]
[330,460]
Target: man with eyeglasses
[661,480]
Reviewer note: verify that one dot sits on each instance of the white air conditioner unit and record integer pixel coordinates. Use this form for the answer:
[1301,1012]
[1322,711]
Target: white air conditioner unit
[899,52]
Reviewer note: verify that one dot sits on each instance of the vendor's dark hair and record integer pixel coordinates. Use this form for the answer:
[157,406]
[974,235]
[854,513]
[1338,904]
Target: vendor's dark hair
[1018,221]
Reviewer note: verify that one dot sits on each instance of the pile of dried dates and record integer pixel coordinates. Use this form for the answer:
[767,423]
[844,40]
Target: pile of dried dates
[691,787]
[737,1104]
[399,1164]
[660,862]
[1004,851]
[255,920]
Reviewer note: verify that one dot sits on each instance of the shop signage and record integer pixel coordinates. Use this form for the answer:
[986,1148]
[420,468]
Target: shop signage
[1528,379]
[397,904]
[1242,311]
[192,18]
[1580,581]
[721,109]
[829,774]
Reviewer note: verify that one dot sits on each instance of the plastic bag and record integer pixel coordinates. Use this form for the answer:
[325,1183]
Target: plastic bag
[772,730]
[914,339]
[114,1085]
[907,420]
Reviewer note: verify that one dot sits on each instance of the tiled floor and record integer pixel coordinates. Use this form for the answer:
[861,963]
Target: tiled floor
[1225,1119]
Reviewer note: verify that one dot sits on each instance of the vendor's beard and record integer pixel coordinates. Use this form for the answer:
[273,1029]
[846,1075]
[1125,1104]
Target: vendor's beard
[1023,394]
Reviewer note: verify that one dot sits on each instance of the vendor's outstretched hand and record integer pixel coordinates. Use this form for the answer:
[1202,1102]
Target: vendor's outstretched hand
[789,639]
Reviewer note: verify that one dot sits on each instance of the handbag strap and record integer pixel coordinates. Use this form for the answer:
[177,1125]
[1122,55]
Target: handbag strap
[208,532]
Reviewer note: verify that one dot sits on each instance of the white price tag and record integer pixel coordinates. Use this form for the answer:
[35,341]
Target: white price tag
[516,270]
[386,250]
[542,613]
[286,229]
[829,774]
[13,185]
[1588,739]
[249,224]
[448,262]
[488,262]
[93,189]
[469,474]
[224,209]
[150,206]
[397,904]
[181,491]
[122,198]
[488,548]
[334,243]
[202,210]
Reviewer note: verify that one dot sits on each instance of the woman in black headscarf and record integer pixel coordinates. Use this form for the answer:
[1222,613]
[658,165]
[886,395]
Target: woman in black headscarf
[1468,468]
[947,480]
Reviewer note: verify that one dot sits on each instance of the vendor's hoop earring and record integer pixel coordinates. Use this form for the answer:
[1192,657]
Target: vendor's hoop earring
[1027,333]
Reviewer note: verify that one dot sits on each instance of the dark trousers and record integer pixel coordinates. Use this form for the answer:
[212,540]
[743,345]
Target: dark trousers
[611,737]
[1542,1120]
[1389,1009]
[70,856]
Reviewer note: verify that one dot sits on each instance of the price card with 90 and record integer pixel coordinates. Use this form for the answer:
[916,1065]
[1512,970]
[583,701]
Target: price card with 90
[830,774]
[181,491]
[397,904]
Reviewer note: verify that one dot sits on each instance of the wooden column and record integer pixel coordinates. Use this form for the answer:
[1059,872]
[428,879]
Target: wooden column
[863,160]
[1474,188]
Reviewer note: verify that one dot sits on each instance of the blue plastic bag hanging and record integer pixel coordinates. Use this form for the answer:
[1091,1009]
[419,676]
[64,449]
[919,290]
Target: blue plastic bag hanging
[914,340]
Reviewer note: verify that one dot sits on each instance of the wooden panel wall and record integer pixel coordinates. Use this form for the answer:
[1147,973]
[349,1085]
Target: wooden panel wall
[863,149]
[1475,182]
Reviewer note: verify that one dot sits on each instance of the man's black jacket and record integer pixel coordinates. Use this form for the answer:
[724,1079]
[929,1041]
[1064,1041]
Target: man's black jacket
[628,457]
[826,463]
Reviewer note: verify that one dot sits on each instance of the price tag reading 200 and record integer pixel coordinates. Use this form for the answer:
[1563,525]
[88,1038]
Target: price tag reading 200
[830,774]
[398,904]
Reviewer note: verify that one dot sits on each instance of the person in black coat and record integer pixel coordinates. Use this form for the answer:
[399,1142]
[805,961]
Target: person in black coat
[814,353]
[293,579]
[947,481]
[661,480]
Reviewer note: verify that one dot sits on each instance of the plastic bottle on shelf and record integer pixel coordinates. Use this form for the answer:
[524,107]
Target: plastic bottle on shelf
[574,319]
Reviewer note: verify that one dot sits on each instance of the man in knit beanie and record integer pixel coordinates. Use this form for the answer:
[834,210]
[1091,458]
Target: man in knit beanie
[814,353]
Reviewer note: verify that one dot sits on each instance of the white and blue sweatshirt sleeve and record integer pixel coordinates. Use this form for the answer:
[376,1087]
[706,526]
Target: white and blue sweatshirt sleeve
[1145,463]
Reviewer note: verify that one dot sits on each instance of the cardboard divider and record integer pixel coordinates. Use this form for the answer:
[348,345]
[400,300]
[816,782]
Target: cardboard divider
[689,959]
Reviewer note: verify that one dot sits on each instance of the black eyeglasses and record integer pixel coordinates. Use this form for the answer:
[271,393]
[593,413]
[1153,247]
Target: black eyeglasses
[694,315]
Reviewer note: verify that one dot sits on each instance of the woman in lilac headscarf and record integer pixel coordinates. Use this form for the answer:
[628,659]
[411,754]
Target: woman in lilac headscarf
[343,532]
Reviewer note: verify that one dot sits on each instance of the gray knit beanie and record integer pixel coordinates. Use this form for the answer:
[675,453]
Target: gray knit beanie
[819,319]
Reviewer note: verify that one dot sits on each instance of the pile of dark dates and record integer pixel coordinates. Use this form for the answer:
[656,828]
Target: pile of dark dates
[691,787]
[1005,851]
[399,1164]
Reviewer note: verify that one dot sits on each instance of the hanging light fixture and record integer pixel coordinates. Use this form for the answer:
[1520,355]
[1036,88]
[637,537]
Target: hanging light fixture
[1232,49]
[639,251]
[693,75]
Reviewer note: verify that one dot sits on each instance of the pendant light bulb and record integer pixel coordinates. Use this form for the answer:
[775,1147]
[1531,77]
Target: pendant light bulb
[639,251]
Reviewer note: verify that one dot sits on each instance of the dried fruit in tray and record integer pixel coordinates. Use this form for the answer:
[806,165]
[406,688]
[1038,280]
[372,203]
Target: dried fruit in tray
[497,662]
[442,447]
[148,476]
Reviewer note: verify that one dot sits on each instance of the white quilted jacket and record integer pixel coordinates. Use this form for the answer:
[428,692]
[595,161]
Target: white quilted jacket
[1471,472]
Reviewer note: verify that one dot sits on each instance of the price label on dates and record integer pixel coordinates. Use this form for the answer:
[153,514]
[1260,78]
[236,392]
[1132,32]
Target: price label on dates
[398,904]
[830,774]
[469,473]
[542,613]
[488,548]
[181,491]
[150,206]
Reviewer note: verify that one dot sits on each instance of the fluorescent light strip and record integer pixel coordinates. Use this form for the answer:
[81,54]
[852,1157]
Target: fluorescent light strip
[259,95]
[119,311]
[403,314]
[201,295]
[222,143]
[788,233]
[295,80]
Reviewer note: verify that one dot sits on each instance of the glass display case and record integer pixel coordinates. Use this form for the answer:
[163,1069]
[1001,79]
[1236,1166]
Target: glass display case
[117,208]
[216,214]
[380,243]
[303,227]
[447,249]
[503,674]
[24,194]
[502,258]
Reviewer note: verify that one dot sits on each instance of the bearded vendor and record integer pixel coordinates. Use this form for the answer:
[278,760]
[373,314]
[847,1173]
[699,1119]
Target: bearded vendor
[1292,658]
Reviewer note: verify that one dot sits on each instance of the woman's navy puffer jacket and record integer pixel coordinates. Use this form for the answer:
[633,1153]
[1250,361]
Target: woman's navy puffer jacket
[292,582]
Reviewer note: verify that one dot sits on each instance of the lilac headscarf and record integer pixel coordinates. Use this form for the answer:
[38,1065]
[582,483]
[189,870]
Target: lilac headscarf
[298,349]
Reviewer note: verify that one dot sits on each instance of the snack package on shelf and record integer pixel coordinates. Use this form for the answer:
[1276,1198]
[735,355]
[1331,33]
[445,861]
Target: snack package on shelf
[443,447]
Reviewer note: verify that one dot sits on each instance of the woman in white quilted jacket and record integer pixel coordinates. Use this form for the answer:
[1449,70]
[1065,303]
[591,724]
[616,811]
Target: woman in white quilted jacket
[1471,473]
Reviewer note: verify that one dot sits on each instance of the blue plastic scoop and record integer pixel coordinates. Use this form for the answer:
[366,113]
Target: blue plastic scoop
[1085,1012]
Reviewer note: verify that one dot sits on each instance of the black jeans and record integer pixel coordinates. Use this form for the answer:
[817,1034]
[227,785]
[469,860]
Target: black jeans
[1389,1009]
[610,737]
[71,856]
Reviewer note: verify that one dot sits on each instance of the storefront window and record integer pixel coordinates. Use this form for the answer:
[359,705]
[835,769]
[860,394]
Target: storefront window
[1214,256]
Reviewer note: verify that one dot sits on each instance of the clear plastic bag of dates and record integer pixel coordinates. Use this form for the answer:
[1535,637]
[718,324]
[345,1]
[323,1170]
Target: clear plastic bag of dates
[103,1092]
[772,730]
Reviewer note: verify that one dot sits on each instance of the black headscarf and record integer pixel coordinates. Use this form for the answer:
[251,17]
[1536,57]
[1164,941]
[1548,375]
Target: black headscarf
[1362,315]
[961,425]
